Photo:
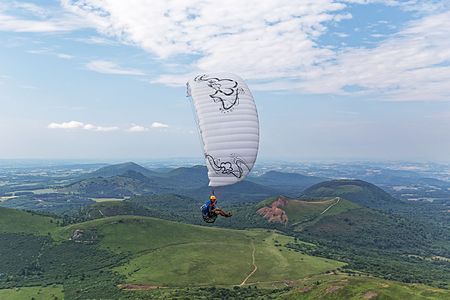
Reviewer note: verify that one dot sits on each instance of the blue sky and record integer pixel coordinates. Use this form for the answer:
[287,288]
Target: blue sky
[332,79]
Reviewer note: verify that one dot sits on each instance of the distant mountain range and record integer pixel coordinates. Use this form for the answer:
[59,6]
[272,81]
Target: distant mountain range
[130,179]
[120,169]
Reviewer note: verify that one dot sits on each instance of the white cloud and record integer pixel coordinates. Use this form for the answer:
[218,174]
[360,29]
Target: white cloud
[66,125]
[106,129]
[234,36]
[72,125]
[28,17]
[137,128]
[108,67]
[89,127]
[414,64]
[64,56]
[8,23]
[159,125]
[276,44]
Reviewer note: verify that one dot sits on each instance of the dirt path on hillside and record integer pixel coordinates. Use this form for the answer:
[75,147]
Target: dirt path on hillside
[326,209]
[255,267]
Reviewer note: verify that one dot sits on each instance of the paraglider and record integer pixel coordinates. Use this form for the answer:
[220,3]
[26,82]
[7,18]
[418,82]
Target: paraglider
[210,212]
[228,123]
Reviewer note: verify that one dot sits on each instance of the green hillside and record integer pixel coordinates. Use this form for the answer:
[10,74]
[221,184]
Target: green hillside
[17,221]
[305,212]
[357,191]
[36,293]
[300,211]
[166,253]
[108,208]
[328,287]
[125,257]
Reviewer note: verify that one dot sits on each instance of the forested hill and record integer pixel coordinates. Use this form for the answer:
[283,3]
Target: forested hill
[357,191]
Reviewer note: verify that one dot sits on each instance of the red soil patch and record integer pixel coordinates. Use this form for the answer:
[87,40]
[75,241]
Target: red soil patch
[370,295]
[275,214]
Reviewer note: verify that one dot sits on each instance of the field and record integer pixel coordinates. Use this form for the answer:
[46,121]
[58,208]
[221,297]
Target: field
[172,254]
[107,199]
[4,198]
[36,192]
[37,293]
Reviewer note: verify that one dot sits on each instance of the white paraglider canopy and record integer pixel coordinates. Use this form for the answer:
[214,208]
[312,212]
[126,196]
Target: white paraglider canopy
[228,123]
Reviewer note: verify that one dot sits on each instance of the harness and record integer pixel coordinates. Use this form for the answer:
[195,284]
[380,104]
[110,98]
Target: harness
[208,217]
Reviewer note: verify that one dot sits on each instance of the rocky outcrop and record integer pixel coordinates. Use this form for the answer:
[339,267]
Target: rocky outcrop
[77,235]
[275,213]
[84,236]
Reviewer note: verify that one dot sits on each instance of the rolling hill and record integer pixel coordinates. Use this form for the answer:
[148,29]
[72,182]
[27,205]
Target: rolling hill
[17,221]
[361,287]
[192,177]
[128,184]
[357,191]
[120,169]
[166,253]
[358,232]
[129,257]
[303,212]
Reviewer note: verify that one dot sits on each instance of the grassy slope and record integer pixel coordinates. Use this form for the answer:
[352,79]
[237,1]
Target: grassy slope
[318,287]
[16,221]
[357,191]
[38,293]
[300,211]
[352,288]
[173,254]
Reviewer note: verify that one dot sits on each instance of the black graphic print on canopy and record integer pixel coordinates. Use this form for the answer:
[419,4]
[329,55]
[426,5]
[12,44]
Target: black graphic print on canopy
[225,91]
[234,167]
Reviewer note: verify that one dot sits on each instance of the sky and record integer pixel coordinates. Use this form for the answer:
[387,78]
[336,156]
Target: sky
[332,80]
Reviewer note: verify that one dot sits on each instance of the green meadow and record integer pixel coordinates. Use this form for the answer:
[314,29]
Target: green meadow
[16,221]
[165,253]
[36,293]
